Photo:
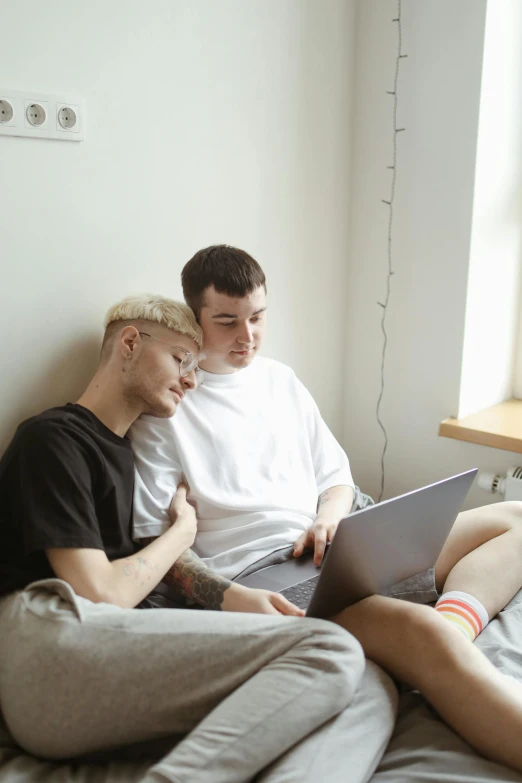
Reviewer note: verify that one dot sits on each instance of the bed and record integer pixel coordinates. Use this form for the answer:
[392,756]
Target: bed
[422,748]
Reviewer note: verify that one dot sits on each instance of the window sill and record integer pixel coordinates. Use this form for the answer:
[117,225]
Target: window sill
[499,427]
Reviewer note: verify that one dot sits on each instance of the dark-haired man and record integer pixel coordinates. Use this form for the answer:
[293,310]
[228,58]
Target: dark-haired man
[258,454]
[268,479]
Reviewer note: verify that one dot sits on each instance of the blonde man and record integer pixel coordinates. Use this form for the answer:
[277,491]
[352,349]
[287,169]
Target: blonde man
[83,671]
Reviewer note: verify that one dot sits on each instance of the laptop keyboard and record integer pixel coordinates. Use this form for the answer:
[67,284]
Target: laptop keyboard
[301,594]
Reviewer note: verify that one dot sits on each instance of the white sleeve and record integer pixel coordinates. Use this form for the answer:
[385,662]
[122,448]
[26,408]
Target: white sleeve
[331,464]
[157,475]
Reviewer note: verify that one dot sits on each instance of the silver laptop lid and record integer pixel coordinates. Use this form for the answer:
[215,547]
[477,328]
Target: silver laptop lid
[381,545]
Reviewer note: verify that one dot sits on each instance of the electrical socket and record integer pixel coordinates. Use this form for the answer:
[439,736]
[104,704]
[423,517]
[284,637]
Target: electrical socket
[36,115]
[43,116]
[67,118]
[7,112]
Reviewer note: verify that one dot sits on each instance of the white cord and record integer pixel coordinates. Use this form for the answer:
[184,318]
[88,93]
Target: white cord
[390,273]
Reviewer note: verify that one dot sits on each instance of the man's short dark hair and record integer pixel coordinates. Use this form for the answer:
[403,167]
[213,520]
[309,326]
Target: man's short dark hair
[231,271]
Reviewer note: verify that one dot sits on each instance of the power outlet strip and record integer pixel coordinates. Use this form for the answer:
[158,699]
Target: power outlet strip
[38,115]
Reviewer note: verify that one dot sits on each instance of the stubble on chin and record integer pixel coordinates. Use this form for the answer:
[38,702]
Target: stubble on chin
[162,412]
[158,407]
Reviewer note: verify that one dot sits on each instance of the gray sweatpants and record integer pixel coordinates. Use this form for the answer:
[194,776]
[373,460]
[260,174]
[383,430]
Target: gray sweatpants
[243,691]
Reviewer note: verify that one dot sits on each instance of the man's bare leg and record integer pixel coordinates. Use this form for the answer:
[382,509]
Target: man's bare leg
[483,555]
[418,646]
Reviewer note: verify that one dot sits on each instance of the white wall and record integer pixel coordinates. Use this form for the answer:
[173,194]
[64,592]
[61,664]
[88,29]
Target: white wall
[439,94]
[517,386]
[493,299]
[232,122]
[206,122]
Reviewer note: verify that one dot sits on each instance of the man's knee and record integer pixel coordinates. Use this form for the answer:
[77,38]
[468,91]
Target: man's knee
[510,518]
[337,652]
[512,509]
[390,626]
[337,640]
[430,646]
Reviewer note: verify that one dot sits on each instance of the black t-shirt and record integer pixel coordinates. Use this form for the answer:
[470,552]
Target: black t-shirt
[66,480]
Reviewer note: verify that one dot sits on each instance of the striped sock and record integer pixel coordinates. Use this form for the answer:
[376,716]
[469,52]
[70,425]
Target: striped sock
[462,609]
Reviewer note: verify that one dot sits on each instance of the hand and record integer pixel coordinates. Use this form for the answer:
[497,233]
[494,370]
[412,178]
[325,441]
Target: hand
[183,515]
[316,537]
[238,598]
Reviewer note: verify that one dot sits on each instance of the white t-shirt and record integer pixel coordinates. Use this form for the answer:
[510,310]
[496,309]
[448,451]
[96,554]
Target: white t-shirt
[255,453]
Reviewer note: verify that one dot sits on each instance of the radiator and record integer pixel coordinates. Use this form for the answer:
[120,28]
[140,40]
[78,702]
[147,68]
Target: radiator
[509,485]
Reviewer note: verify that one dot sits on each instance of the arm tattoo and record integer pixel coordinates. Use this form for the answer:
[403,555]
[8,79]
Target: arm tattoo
[194,580]
[139,569]
[323,499]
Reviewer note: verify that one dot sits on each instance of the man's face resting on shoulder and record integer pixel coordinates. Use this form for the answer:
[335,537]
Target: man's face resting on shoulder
[156,377]
[233,329]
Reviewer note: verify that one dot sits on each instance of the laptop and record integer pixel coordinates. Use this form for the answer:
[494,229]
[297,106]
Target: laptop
[372,550]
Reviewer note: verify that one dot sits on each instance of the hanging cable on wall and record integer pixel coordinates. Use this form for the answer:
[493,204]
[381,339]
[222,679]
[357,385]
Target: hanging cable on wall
[390,202]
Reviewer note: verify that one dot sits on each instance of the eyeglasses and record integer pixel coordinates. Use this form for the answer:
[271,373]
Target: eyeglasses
[189,362]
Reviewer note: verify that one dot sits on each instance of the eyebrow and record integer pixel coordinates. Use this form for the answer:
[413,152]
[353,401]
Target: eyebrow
[230,315]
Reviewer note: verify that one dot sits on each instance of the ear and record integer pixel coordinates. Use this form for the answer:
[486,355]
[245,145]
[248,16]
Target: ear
[129,341]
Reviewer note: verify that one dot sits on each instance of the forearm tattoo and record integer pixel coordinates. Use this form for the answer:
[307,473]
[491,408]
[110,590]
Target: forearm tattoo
[194,580]
[323,500]
[139,569]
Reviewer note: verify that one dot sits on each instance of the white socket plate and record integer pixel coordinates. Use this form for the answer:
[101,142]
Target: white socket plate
[51,128]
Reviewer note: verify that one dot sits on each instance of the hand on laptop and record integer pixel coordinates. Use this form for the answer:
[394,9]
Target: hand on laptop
[238,598]
[318,535]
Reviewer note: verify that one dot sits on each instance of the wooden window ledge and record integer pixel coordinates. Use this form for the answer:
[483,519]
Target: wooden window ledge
[499,426]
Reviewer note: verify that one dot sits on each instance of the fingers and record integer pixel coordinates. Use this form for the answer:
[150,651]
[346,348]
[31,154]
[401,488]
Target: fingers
[299,545]
[320,545]
[179,498]
[323,534]
[304,541]
[316,538]
[284,606]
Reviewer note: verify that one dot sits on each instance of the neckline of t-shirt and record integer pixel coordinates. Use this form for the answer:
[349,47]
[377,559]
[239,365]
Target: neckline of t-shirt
[81,410]
[228,379]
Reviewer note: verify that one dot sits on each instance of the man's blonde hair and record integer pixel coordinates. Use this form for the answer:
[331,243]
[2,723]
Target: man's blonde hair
[156,309]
